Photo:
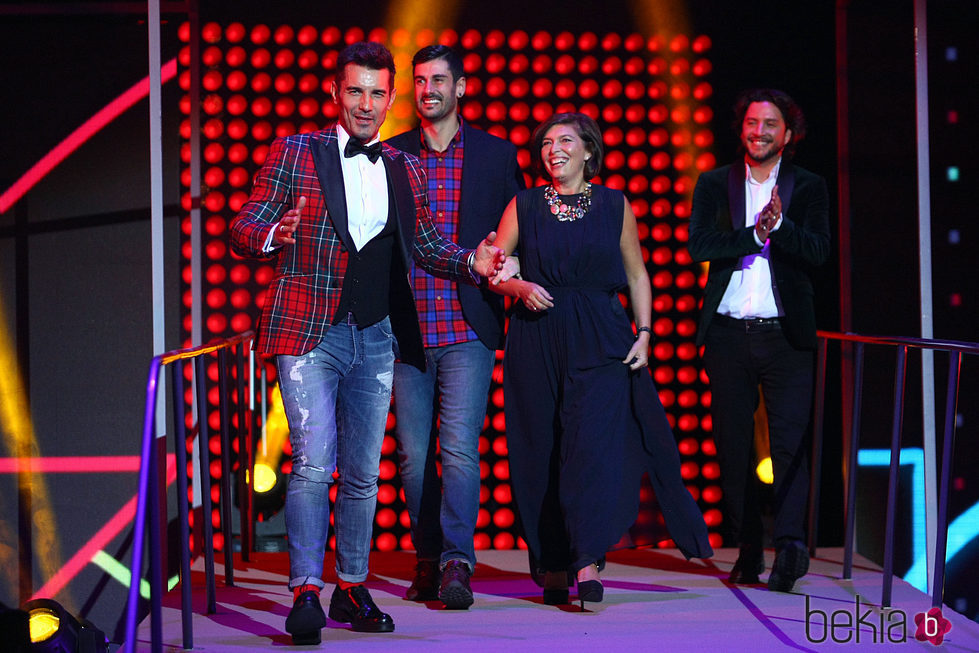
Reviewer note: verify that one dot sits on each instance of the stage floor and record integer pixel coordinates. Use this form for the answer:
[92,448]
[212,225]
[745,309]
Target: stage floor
[654,600]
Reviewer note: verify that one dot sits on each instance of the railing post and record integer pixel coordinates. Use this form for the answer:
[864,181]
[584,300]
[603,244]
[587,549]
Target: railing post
[200,375]
[245,481]
[139,523]
[157,586]
[229,543]
[892,477]
[180,450]
[851,464]
[815,463]
[941,540]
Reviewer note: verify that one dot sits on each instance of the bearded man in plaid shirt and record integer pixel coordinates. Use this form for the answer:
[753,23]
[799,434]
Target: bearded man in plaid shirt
[472,176]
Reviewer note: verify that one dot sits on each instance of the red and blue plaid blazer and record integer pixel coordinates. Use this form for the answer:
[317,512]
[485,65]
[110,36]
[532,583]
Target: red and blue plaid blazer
[303,296]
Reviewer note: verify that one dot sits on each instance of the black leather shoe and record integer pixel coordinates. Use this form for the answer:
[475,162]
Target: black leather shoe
[425,586]
[749,564]
[454,591]
[791,564]
[306,619]
[356,607]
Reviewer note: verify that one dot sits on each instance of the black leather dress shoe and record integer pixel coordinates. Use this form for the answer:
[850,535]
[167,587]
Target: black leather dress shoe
[750,563]
[791,564]
[306,619]
[425,586]
[356,607]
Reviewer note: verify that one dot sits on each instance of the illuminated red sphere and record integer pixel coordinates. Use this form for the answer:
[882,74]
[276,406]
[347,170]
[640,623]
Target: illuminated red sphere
[236,80]
[519,64]
[564,41]
[518,40]
[470,39]
[541,40]
[542,63]
[587,41]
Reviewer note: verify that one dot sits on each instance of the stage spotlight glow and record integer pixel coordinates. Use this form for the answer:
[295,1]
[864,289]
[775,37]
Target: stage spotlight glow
[54,630]
[764,471]
[265,477]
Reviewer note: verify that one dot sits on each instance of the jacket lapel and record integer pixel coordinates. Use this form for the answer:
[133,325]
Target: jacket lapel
[735,195]
[326,157]
[403,205]
[786,184]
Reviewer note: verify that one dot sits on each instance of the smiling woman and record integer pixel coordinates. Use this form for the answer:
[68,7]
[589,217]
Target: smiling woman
[574,371]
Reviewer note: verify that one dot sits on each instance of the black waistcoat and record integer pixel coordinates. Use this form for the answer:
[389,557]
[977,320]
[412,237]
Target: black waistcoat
[367,282]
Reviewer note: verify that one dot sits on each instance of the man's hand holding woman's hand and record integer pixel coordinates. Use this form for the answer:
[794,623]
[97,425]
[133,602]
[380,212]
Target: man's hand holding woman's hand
[489,258]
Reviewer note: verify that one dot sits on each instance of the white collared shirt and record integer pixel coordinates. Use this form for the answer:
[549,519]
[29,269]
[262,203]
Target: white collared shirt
[750,292]
[365,186]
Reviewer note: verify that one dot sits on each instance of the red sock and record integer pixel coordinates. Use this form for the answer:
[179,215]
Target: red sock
[296,591]
[344,585]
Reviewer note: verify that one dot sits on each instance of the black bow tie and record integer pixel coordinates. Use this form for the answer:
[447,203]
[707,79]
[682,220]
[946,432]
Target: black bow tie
[355,147]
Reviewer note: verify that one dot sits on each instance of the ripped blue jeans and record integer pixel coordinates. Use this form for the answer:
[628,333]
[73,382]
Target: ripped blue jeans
[336,399]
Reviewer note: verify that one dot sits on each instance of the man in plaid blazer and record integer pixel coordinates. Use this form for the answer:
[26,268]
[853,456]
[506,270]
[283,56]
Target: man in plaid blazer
[341,214]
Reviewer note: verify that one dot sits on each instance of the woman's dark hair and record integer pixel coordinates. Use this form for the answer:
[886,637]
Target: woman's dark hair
[791,113]
[587,130]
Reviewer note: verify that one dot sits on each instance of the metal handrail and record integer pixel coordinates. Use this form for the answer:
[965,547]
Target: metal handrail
[149,499]
[955,350]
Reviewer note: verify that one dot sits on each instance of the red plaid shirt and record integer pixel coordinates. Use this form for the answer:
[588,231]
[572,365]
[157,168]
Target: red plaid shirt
[439,309]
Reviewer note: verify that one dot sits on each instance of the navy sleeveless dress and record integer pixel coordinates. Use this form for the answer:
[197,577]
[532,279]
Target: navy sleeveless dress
[581,428]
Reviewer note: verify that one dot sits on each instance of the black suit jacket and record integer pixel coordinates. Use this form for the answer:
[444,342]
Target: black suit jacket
[718,235]
[490,179]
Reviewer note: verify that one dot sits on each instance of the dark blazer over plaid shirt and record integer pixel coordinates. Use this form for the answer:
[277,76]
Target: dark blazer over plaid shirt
[490,179]
[303,296]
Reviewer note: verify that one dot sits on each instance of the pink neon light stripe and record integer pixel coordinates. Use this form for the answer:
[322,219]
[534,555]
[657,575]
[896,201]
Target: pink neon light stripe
[75,140]
[65,464]
[98,542]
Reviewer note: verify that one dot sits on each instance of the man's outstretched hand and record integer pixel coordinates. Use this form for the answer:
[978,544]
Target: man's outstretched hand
[285,233]
[489,259]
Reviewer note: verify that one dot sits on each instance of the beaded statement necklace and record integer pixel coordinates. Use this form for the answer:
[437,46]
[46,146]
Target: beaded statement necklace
[562,211]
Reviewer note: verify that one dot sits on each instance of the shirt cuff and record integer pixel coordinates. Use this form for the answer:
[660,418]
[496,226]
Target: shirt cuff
[471,262]
[270,246]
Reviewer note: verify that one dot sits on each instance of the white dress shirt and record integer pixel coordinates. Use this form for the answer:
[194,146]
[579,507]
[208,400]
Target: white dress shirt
[750,292]
[365,185]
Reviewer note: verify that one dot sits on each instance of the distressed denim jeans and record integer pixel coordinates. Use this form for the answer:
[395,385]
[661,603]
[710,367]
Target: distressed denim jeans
[443,516]
[336,399]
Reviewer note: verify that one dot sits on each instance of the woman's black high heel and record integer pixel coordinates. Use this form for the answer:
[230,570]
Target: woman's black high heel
[591,590]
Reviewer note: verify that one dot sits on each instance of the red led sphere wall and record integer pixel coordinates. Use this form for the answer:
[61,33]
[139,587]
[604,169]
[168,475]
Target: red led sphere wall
[651,97]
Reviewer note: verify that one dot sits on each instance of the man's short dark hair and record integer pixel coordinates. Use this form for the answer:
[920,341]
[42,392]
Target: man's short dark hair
[367,54]
[433,52]
[588,132]
[791,113]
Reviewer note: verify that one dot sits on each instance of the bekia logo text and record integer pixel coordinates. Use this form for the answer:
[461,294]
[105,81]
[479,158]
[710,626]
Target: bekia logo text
[862,625]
